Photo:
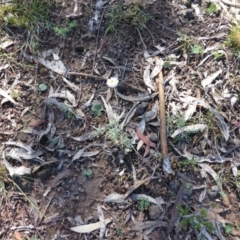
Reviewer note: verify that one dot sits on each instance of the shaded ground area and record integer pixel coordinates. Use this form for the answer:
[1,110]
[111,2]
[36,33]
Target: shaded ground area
[74,149]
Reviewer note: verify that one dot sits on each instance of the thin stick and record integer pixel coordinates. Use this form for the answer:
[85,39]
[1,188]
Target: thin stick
[162,113]
[86,75]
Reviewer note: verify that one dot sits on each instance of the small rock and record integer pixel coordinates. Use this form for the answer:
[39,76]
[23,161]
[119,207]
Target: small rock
[214,191]
[141,108]
[154,212]
[154,137]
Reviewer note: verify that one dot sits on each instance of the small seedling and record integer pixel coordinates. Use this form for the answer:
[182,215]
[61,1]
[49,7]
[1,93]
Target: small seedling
[64,31]
[33,238]
[188,163]
[186,41]
[227,229]
[97,109]
[195,221]
[119,230]
[67,112]
[88,173]
[166,65]
[217,55]
[213,8]
[136,17]
[42,87]
[197,49]
[144,204]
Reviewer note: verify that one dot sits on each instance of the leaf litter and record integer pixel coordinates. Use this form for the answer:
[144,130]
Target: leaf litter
[201,127]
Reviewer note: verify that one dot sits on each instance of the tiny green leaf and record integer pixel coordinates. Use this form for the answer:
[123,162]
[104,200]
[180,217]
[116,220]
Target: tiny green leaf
[42,87]
[87,173]
[97,109]
[166,65]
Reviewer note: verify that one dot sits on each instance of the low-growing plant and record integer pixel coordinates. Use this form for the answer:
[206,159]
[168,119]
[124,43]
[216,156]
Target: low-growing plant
[88,173]
[67,113]
[42,87]
[212,9]
[217,55]
[188,163]
[227,229]
[119,230]
[117,16]
[197,49]
[64,31]
[234,37]
[196,221]
[176,123]
[136,17]
[116,134]
[144,204]
[186,41]
[97,109]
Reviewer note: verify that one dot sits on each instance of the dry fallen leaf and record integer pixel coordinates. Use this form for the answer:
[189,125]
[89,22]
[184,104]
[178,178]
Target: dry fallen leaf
[17,235]
[89,227]
[35,122]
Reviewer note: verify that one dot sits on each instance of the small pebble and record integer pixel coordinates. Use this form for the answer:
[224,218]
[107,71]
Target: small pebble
[154,137]
[154,212]
[214,191]
[141,108]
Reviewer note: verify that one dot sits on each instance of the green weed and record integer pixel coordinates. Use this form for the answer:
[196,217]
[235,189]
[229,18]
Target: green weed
[178,122]
[144,204]
[212,9]
[217,55]
[67,112]
[64,31]
[195,221]
[227,229]
[119,231]
[97,109]
[136,17]
[88,173]
[187,163]
[197,49]
[186,41]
